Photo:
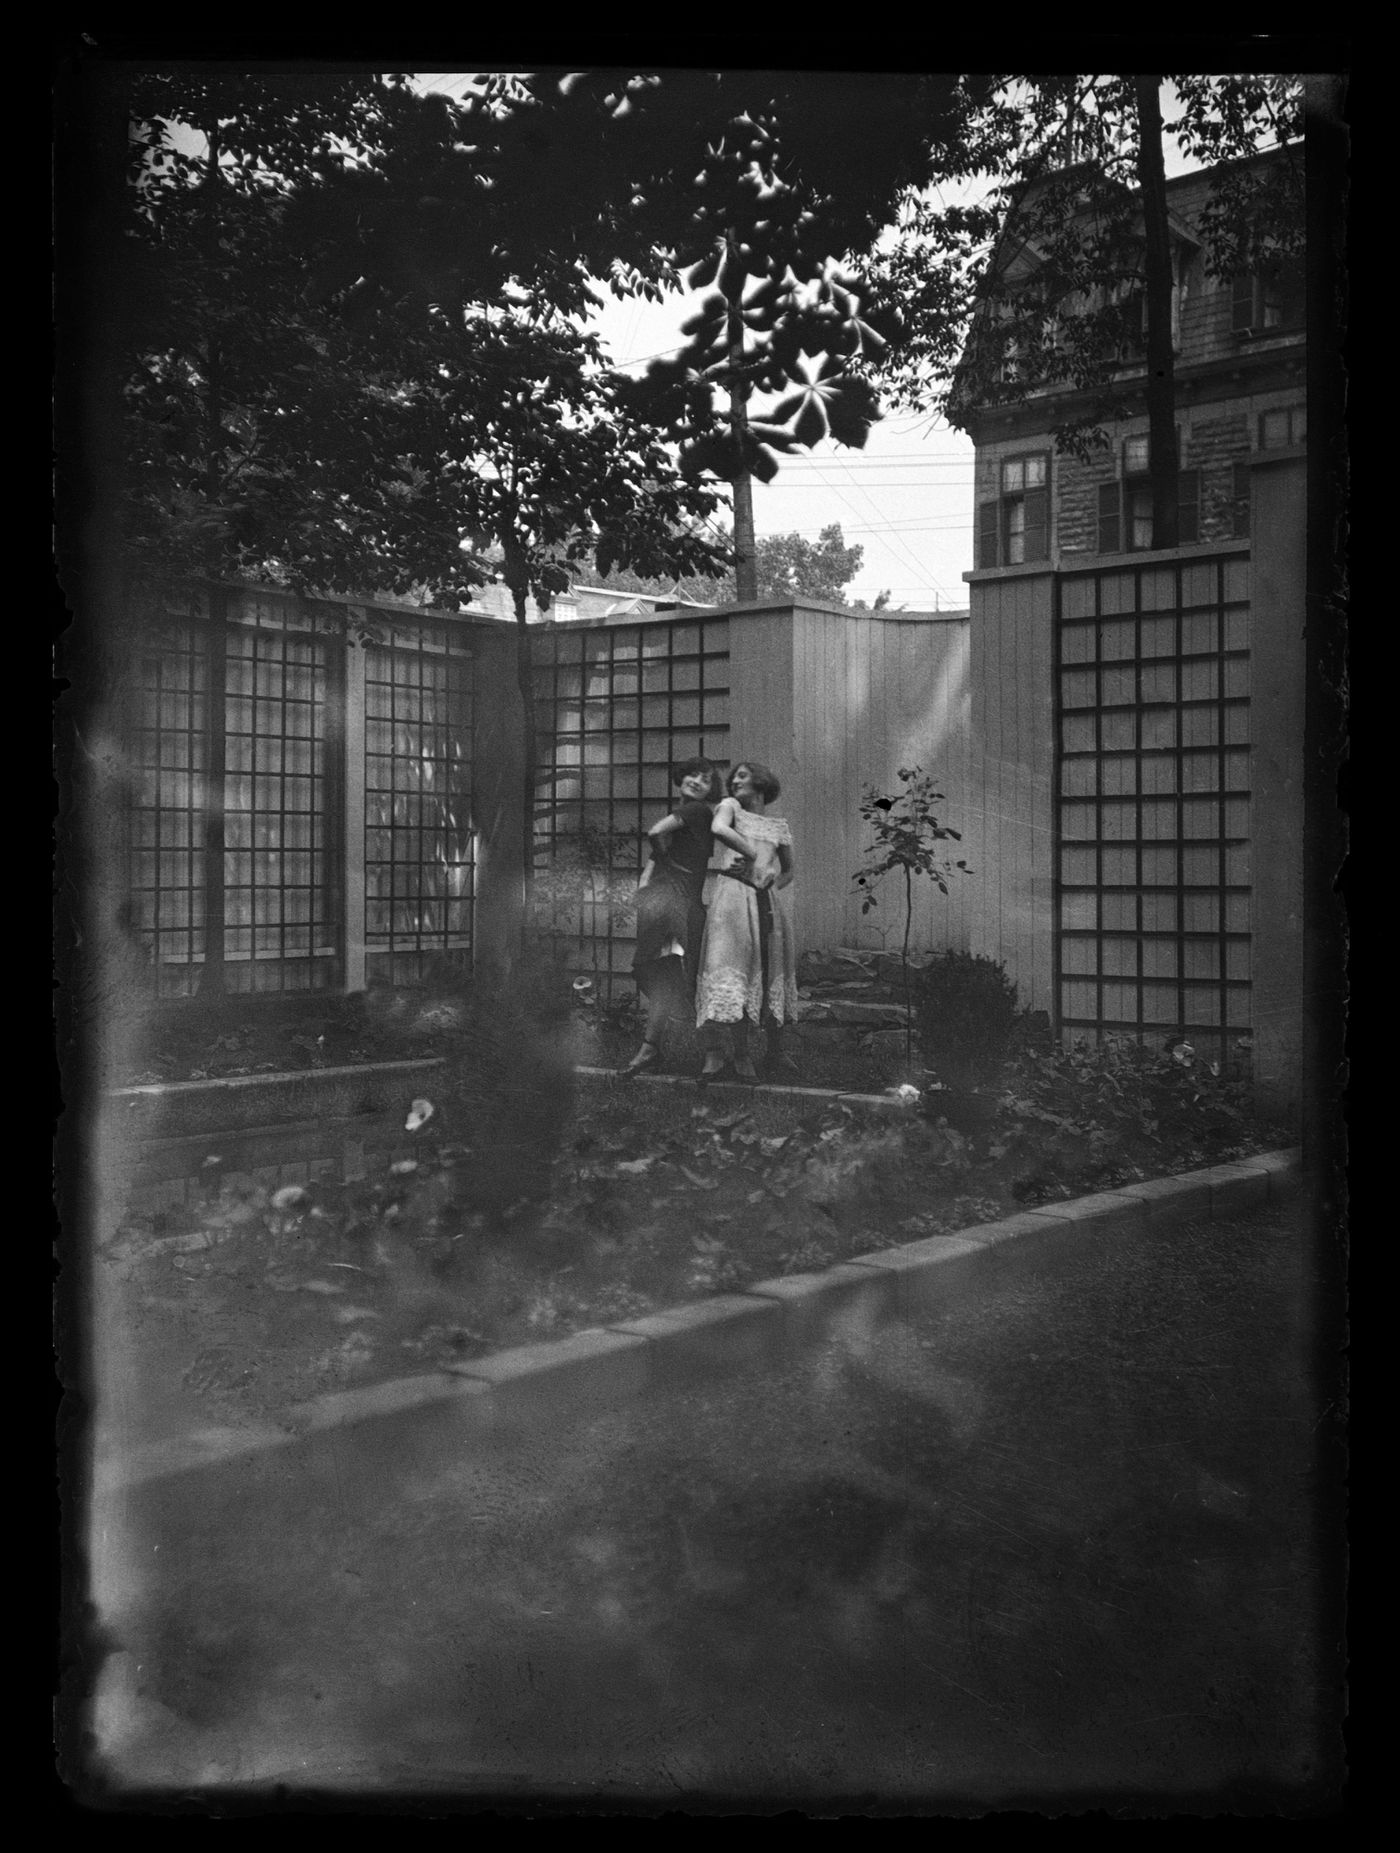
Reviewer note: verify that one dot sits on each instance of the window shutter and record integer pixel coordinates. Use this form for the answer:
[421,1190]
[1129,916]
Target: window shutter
[1241,501]
[1037,524]
[988,517]
[1292,293]
[1108,518]
[1242,304]
[1188,506]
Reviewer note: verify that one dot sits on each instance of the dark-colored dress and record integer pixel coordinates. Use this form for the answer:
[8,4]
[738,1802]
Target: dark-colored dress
[670,910]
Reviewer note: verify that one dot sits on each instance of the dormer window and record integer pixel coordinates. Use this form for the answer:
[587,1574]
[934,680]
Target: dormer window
[1275,300]
[1133,300]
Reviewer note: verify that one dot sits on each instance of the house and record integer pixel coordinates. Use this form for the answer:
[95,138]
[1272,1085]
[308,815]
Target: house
[579,602]
[1136,713]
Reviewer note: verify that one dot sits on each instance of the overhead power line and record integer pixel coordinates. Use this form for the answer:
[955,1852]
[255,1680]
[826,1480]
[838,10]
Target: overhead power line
[889,457]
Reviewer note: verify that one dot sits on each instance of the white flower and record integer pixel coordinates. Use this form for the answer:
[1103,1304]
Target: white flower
[289,1197]
[908,1093]
[419,1113]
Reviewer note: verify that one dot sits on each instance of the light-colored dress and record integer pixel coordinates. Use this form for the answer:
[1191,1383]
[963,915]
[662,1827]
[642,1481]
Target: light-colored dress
[731,983]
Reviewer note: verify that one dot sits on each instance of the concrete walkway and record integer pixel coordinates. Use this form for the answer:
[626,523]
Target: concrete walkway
[1048,1543]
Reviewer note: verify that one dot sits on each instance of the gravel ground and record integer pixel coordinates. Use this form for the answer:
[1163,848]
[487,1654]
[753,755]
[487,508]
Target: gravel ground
[1063,1548]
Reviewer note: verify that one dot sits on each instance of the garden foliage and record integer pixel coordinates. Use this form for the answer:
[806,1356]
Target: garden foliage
[906,835]
[1098,1113]
[965,1008]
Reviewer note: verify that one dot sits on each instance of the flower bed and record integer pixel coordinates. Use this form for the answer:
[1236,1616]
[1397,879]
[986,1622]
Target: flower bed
[501,1222]
[233,1038]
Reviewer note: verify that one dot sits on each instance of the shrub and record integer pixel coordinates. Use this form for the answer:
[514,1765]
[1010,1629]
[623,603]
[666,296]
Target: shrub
[1095,1110]
[965,1008]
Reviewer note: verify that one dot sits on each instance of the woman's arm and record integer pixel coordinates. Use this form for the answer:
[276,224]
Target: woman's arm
[785,866]
[662,828]
[723,827]
[658,845]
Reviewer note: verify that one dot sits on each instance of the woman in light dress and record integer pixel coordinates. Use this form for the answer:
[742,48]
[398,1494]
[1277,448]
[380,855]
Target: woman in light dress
[670,903]
[748,961]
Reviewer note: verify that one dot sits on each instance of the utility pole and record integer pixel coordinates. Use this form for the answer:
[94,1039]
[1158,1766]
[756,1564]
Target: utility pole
[1161,368]
[745,554]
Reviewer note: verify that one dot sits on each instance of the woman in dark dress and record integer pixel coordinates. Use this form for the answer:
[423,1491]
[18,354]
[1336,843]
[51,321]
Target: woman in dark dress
[670,903]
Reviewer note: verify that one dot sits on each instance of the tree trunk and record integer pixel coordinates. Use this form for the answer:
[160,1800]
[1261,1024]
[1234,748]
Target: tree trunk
[908,922]
[213,356]
[745,554]
[1161,372]
[211,977]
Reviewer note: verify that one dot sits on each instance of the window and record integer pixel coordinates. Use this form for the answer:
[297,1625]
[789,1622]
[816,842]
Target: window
[1132,342]
[1240,500]
[1125,506]
[1132,300]
[1283,426]
[1263,302]
[1014,526]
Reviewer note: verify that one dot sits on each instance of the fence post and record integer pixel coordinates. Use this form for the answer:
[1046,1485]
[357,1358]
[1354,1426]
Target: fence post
[354,966]
[211,979]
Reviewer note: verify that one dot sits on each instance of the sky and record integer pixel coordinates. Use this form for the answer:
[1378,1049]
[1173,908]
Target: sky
[906,498]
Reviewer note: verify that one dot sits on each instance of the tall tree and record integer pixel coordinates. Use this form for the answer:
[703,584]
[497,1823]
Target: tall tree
[1160,386]
[753,183]
[265,433]
[341,356]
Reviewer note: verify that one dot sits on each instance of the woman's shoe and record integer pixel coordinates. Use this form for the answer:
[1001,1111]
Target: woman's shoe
[648,1056]
[744,1069]
[714,1067]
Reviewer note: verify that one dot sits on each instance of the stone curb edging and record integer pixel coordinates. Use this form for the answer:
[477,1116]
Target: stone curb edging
[247,1102]
[750,1090]
[604,1366]
[254,1102]
[222,1085]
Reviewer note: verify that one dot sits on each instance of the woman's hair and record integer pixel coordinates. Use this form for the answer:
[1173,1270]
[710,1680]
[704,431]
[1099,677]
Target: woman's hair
[763,777]
[698,765]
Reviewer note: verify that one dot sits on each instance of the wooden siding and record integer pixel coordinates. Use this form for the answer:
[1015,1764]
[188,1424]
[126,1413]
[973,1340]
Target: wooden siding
[833,701]
[1010,836]
[1278,685]
[871,694]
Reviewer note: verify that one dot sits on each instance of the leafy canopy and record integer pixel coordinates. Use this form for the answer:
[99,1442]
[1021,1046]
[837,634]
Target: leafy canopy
[1038,284]
[340,351]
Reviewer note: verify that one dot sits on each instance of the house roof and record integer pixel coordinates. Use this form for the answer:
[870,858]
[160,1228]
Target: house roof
[1187,197]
